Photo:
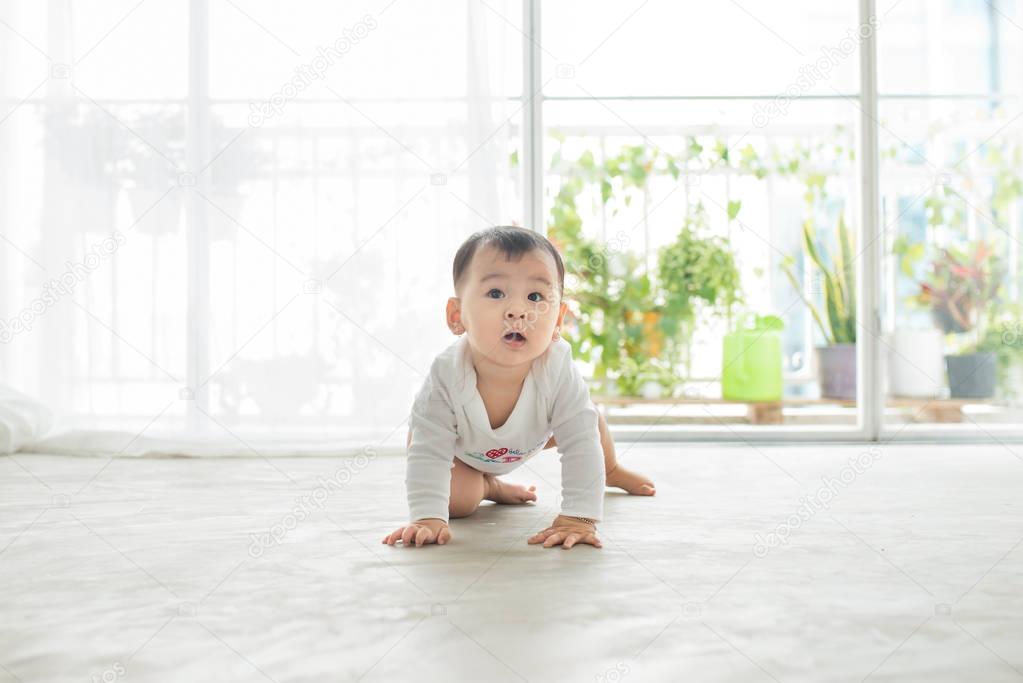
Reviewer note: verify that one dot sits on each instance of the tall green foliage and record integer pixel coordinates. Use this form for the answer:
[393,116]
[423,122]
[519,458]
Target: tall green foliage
[839,282]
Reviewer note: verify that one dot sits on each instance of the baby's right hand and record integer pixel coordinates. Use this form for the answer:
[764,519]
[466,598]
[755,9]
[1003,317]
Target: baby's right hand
[431,530]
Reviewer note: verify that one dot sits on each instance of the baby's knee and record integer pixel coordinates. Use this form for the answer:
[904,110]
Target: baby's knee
[462,508]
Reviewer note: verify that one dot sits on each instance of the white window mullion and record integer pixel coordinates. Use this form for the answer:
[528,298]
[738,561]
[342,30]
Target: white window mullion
[870,400]
[197,144]
[532,129]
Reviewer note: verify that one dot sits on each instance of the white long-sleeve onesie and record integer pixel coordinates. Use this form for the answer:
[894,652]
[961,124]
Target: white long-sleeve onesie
[449,420]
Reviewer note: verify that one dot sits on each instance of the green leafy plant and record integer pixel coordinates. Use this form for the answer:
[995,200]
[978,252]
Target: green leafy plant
[635,374]
[629,321]
[838,277]
[1003,336]
[636,328]
[696,272]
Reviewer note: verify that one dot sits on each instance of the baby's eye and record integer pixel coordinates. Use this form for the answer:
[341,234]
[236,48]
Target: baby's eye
[494,290]
[539,294]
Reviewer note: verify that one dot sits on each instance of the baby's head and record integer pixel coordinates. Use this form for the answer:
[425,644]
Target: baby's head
[508,280]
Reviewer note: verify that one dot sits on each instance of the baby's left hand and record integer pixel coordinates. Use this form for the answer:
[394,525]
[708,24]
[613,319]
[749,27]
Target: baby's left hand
[567,531]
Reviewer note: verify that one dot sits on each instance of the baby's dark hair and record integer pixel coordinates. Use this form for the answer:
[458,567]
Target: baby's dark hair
[511,240]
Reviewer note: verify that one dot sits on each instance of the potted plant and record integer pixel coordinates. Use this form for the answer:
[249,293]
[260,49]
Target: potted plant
[837,359]
[622,319]
[1004,338]
[696,273]
[961,285]
[613,317]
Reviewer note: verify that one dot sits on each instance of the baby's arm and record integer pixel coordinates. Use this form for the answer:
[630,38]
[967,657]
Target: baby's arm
[577,432]
[431,448]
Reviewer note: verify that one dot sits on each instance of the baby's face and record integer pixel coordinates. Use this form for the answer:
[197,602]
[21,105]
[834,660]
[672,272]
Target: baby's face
[509,309]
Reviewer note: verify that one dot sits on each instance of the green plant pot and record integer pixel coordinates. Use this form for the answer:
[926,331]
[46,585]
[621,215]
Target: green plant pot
[751,365]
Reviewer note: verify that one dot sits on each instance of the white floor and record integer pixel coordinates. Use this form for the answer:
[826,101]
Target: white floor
[149,572]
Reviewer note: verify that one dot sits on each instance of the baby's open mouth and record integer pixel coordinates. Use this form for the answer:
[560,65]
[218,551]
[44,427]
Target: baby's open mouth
[514,336]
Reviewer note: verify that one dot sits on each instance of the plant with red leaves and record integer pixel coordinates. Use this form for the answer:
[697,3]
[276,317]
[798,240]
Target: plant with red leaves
[961,285]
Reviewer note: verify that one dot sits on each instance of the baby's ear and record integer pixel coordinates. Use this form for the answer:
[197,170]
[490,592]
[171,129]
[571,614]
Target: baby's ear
[453,311]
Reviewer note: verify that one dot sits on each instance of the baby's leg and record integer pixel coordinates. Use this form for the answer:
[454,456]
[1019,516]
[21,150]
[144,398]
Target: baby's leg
[469,487]
[614,474]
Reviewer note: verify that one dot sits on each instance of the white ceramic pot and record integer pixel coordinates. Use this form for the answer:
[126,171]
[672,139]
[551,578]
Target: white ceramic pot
[916,363]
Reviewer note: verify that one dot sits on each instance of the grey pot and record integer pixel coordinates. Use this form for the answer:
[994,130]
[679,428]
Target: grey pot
[837,365]
[972,375]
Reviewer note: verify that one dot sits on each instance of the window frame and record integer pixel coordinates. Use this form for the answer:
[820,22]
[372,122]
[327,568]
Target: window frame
[870,400]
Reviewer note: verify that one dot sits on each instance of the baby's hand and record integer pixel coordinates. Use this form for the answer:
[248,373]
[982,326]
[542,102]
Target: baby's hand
[422,531]
[567,531]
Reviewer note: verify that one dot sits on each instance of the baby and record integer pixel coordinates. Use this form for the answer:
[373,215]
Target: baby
[503,392]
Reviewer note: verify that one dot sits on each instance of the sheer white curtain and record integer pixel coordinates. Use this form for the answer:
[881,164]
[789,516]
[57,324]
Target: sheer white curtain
[228,224]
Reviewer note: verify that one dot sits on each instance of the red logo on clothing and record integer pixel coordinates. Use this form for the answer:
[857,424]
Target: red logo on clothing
[496,452]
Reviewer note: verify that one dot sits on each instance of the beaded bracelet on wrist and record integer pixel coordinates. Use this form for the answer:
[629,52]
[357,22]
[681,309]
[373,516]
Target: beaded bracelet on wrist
[591,522]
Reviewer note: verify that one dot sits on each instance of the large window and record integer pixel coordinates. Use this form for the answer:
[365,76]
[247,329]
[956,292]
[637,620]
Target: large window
[951,157]
[254,208]
[690,174]
[720,212]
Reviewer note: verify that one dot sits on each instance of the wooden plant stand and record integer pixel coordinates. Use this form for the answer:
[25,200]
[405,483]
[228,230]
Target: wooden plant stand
[944,410]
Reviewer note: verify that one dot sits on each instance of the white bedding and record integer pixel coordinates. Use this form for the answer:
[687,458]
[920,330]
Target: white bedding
[23,420]
[108,443]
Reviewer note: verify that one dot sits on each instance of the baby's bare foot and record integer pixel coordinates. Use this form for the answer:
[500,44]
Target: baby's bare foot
[634,483]
[507,494]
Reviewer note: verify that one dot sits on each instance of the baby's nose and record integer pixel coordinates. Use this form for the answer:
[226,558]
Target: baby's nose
[514,313]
